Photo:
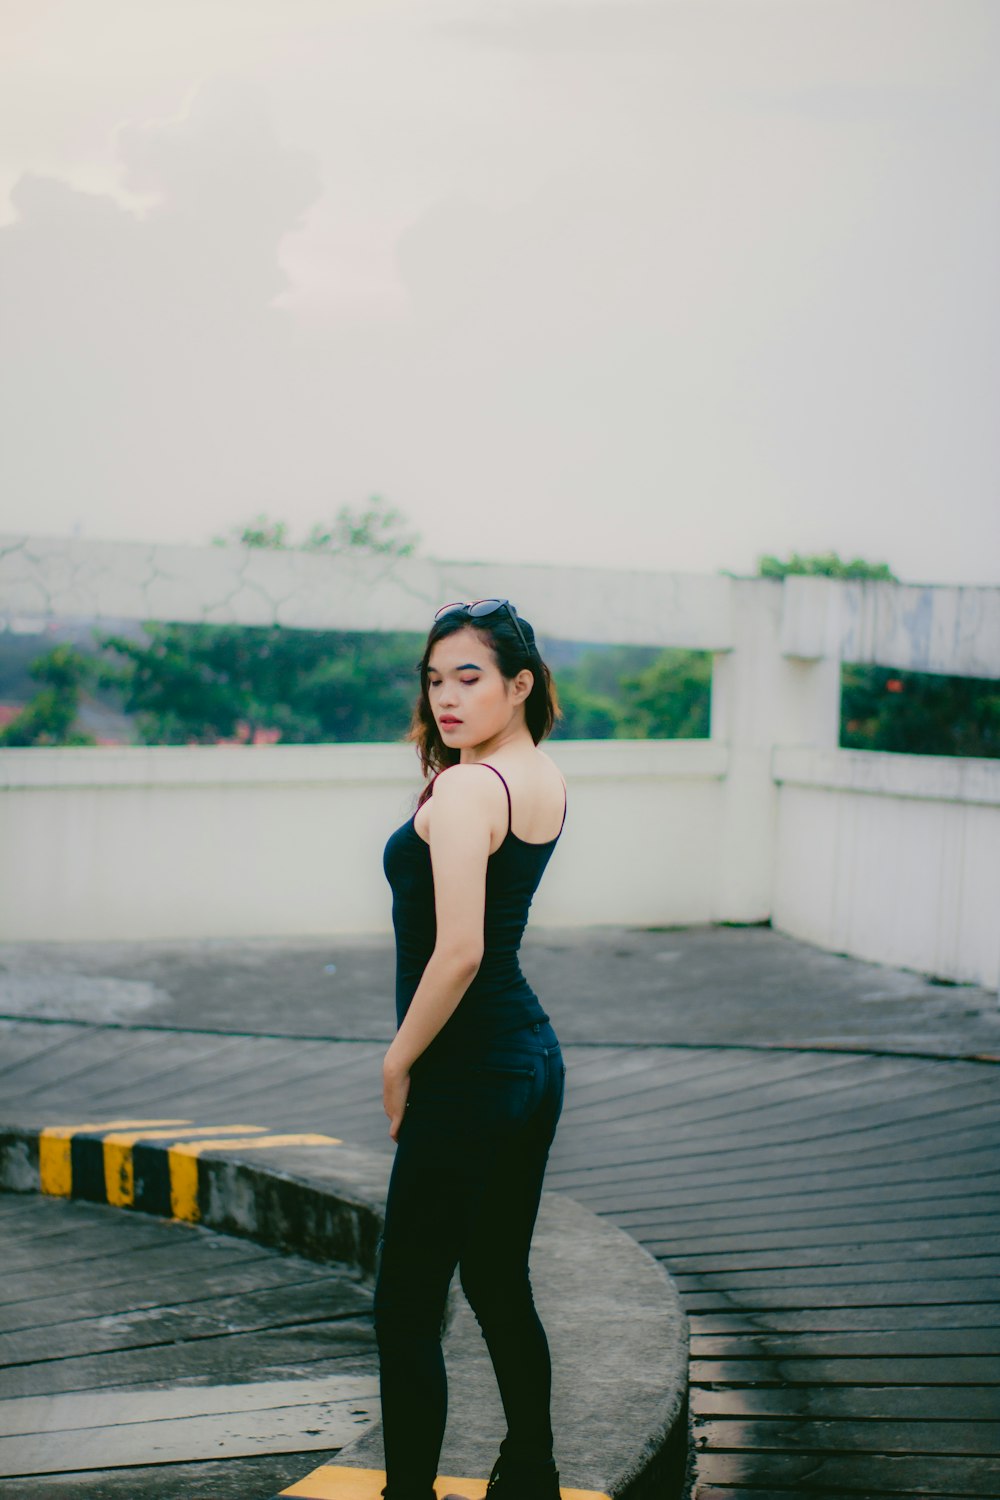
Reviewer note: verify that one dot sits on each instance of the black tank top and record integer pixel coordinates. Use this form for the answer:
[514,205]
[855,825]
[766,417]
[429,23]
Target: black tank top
[499,999]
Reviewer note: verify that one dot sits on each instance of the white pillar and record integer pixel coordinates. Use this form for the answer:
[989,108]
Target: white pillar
[762,698]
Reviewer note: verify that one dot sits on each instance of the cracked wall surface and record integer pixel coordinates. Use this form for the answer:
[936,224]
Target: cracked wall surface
[923,628]
[65,578]
[928,628]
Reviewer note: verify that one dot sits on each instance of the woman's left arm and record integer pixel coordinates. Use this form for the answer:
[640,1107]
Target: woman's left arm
[464,807]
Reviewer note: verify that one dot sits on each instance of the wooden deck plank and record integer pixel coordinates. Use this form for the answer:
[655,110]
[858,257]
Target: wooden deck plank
[970,1235]
[317,1346]
[919,1258]
[876,1275]
[156,1241]
[837,1319]
[972,1154]
[630,1141]
[710,1092]
[817,1473]
[768,1490]
[794,1435]
[222,1479]
[172,1287]
[873,1402]
[761,1161]
[806,1369]
[823,1102]
[25,1044]
[935,1342]
[866,1183]
[893,1294]
[48,1435]
[297,1301]
[259,1346]
[793,1200]
[838,1258]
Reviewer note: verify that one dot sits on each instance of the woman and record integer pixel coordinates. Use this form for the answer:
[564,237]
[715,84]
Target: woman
[473,1080]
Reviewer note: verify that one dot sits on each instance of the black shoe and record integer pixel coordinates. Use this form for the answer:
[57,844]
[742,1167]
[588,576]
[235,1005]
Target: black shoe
[513,1481]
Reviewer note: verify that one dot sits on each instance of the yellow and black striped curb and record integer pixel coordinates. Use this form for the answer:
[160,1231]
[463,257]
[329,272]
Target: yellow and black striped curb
[337,1482]
[231,1177]
[151,1165]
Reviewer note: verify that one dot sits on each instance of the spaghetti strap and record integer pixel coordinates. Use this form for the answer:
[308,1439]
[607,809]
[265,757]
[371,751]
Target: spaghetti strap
[510,810]
[562,825]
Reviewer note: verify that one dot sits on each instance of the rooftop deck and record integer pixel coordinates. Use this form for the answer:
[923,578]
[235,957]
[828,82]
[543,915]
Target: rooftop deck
[807,1142]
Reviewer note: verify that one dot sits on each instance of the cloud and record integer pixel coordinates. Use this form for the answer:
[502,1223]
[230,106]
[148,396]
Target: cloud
[607,289]
[139,353]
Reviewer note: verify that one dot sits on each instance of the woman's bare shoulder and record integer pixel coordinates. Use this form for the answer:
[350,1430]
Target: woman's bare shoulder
[546,757]
[468,796]
[466,782]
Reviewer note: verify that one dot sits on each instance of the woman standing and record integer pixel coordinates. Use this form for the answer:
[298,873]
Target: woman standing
[473,1080]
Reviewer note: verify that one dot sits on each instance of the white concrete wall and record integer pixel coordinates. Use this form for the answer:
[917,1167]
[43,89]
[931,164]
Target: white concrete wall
[894,858]
[165,842]
[888,857]
[286,840]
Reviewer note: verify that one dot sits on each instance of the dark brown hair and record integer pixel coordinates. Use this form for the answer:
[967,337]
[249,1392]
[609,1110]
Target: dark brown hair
[541,707]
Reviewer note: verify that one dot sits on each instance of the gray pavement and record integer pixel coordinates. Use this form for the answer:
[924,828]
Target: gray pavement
[808,1143]
[698,986]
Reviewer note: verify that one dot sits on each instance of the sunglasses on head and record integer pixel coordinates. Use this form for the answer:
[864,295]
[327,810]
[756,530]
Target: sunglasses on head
[479,608]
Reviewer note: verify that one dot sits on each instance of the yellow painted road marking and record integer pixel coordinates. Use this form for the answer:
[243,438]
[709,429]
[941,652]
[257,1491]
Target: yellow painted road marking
[184,1165]
[55,1144]
[119,1175]
[336,1482]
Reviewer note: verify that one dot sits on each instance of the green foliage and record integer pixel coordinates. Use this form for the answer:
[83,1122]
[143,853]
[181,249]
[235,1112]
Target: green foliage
[196,684]
[918,713]
[586,715]
[260,532]
[376,528]
[825,565]
[50,716]
[636,692]
[670,699]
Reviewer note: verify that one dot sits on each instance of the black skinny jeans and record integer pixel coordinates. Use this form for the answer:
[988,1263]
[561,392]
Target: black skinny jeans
[464,1191]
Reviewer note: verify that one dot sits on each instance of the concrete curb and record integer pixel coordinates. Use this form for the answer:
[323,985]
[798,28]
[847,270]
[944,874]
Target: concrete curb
[618,1333]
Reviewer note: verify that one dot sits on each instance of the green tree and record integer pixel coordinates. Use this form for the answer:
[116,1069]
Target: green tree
[586,715]
[376,527]
[824,565]
[671,699]
[918,713]
[197,684]
[202,683]
[50,717]
[636,692]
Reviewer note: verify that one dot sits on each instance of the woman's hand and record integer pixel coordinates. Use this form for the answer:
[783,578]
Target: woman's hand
[395,1089]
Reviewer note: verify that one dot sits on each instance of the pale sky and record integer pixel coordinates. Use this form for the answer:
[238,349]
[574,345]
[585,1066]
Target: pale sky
[664,285]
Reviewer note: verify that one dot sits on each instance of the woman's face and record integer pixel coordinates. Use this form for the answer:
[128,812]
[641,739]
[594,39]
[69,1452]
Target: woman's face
[469,697]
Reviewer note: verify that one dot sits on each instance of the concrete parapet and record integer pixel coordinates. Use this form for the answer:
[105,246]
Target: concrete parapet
[75,577]
[892,858]
[285,839]
[914,627]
